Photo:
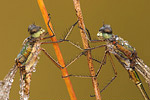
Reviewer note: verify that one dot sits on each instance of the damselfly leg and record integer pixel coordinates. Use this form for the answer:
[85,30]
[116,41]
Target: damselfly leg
[57,64]
[101,65]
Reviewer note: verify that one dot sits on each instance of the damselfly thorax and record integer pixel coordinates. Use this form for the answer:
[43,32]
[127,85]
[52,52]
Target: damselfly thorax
[122,50]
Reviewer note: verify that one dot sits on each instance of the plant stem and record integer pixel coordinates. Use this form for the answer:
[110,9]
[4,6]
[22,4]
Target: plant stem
[57,51]
[86,45]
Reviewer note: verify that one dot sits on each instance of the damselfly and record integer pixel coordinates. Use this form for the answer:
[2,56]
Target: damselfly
[27,60]
[125,54]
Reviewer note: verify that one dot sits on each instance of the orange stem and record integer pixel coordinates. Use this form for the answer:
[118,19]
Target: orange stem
[86,45]
[57,51]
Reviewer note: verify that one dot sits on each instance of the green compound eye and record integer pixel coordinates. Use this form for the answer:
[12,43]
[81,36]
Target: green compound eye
[37,34]
[35,31]
[104,35]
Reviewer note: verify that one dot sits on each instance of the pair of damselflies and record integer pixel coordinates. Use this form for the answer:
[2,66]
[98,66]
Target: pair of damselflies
[27,59]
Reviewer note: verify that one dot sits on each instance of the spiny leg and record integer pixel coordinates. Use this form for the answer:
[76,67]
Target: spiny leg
[50,29]
[113,66]
[77,46]
[48,37]
[77,57]
[71,28]
[50,26]
[61,40]
[83,76]
[86,76]
[114,70]
[67,33]
[89,36]
[65,38]
[102,63]
[95,60]
[57,64]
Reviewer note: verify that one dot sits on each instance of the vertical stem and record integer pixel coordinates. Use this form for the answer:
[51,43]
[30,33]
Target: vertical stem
[57,51]
[86,45]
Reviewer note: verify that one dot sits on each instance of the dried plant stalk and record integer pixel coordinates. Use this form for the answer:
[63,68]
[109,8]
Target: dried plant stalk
[86,45]
[57,51]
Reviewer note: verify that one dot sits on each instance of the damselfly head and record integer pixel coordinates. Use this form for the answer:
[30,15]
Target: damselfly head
[35,31]
[105,32]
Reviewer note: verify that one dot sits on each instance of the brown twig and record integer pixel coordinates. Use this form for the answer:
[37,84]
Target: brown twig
[86,45]
[57,51]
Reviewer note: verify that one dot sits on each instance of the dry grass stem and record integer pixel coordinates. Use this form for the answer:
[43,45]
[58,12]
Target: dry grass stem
[57,51]
[86,45]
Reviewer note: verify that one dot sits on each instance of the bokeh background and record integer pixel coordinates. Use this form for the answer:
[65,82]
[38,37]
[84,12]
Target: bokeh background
[128,18]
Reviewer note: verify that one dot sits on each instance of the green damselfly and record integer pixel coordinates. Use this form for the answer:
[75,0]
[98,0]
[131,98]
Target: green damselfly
[26,61]
[125,54]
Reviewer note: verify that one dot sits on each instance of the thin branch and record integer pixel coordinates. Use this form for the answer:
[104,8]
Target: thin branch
[57,51]
[86,46]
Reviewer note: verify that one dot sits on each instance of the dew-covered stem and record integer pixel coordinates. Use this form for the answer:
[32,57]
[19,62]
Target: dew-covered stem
[86,46]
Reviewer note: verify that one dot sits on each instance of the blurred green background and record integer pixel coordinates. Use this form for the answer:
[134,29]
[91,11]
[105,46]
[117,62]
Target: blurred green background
[128,18]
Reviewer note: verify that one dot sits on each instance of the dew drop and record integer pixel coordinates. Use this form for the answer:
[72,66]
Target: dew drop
[34,70]
[117,38]
[11,80]
[21,92]
[146,66]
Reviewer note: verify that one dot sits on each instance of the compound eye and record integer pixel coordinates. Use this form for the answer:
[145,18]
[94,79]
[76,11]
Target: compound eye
[108,30]
[33,29]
